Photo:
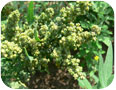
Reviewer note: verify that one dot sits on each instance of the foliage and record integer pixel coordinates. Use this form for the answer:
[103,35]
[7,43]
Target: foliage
[36,34]
[105,69]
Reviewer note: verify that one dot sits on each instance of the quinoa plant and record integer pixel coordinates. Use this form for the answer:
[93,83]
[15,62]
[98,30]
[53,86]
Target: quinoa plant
[69,39]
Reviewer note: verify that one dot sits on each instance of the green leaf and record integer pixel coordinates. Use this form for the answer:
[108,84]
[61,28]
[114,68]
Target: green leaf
[99,45]
[110,79]
[29,57]
[108,62]
[30,14]
[105,69]
[36,35]
[102,52]
[87,51]
[85,24]
[105,27]
[85,83]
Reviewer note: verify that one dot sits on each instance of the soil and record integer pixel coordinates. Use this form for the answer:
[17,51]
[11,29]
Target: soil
[57,79]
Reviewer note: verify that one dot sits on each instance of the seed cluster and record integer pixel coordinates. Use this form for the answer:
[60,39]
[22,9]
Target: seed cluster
[10,50]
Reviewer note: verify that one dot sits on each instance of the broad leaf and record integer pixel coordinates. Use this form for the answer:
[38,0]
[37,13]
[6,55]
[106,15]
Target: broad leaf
[105,69]
[108,62]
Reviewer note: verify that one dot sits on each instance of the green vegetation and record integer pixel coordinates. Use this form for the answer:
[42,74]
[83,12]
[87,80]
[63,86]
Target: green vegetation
[69,35]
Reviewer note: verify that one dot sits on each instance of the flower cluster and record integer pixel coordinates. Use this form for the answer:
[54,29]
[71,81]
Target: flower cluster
[82,7]
[75,36]
[10,50]
[96,29]
[50,12]
[74,69]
